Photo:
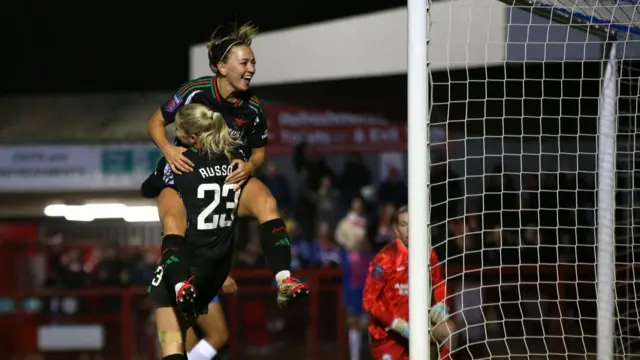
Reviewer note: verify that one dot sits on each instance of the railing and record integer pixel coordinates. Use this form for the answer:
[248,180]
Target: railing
[119,310]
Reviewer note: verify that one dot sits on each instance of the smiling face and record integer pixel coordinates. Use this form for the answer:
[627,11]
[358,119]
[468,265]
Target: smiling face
[238,67]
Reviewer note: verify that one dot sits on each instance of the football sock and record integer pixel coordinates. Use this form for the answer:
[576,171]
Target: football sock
[281,275]
[276,246]
[202,351]
[174,259]
[354,344]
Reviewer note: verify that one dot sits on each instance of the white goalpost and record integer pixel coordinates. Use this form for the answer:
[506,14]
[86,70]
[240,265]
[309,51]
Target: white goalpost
[418,137]
[543,267]
[606,209]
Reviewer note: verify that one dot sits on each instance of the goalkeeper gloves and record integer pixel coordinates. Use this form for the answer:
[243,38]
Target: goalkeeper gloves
[400,326]
[439,313]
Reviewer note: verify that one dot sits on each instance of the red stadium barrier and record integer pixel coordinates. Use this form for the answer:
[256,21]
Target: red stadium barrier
[120,319]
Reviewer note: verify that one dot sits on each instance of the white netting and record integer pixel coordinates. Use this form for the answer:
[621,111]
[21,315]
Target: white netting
[618,15]
[516,194]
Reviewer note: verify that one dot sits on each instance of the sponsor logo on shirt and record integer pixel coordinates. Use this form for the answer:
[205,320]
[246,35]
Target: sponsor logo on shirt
[403,289]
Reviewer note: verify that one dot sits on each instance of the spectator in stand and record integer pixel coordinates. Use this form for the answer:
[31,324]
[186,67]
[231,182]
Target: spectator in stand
[567,215]
[529,196]
[326,200]
[586,217]
[355,175]
[500,201]
[300,161]
[297,255]
[304,208]
[492,247]
[355,265]
[54,265]
[446,199]
[314,165]
[530,191]
[107,272]
[467,241]
[322,251]
[251,255]
[351,235]
[384,230]
[73,272]
[352,229]
[145,267]
[464,247]
[318,170]
[549,208]
[278,185]
[393,190]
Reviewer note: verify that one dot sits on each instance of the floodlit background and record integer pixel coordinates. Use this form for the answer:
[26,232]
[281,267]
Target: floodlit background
[514,114]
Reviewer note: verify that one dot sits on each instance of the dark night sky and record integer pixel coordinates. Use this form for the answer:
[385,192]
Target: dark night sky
[52,47]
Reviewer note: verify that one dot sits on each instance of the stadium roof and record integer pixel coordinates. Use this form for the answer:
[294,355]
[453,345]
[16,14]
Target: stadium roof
[77,118]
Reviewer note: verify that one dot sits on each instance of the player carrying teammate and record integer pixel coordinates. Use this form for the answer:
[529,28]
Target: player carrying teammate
[233,64]
[193,268]
[386,297]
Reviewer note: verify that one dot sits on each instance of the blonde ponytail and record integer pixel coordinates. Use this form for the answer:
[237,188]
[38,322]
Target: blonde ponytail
[209,128]
[218,139]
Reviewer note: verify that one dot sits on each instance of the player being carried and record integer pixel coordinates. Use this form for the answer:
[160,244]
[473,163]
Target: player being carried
[232,62]
[193,268]
[386,298]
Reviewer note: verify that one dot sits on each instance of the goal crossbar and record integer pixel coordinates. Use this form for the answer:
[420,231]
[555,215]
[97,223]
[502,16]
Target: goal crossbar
[619,16]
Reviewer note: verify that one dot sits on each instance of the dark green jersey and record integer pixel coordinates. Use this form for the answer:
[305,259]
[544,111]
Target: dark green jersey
[245,117]
[210,203]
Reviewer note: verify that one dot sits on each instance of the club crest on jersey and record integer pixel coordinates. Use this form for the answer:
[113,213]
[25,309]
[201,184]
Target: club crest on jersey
[239,122]
[173,104]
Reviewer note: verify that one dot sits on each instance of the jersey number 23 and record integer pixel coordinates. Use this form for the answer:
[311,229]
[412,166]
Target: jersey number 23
[219,218]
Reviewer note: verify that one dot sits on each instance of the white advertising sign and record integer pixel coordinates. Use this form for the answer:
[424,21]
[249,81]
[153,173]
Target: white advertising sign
[75,167]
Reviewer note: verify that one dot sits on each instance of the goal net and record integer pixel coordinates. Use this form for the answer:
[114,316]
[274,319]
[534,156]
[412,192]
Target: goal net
[534,190]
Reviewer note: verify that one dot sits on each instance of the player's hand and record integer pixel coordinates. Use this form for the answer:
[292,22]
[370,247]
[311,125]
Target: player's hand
[439,313]
[241,173]
[229,286]
[178,162]
[400,326]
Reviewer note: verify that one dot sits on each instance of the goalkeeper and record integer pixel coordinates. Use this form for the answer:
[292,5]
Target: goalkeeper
[386,298]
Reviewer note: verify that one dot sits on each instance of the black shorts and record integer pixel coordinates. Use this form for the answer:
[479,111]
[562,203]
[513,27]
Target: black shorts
[209,275]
